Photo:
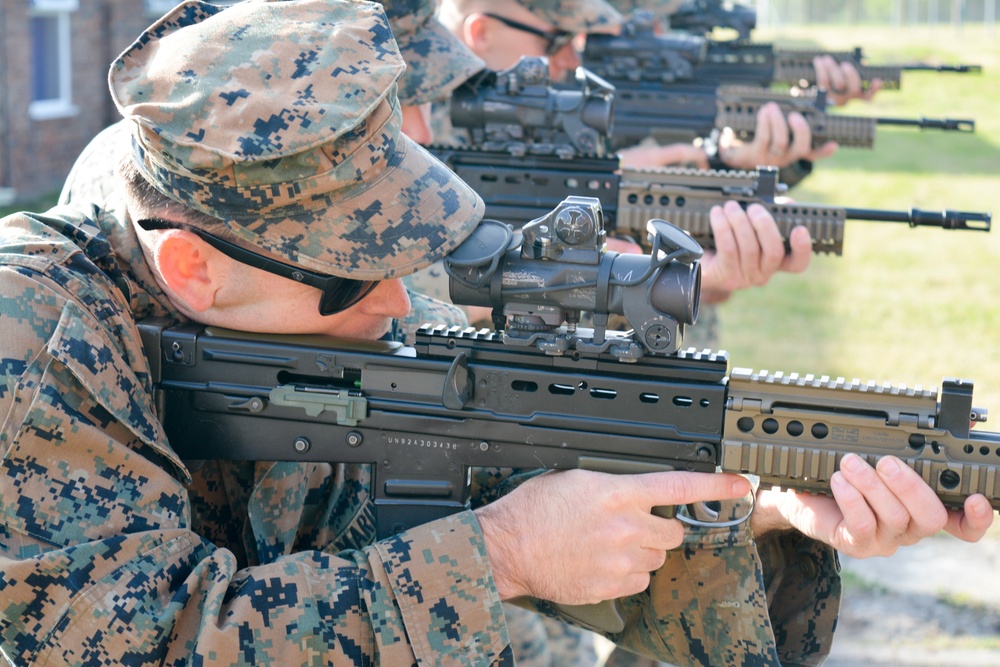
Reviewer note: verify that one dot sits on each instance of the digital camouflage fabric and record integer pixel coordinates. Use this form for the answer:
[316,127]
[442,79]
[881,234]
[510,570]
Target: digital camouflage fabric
[576,16]
[92,177]
[661,9]
[437,62]
[325,179]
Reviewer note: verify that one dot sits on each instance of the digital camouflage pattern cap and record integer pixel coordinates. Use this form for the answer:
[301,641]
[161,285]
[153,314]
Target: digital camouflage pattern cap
[576,16]
[660,8]
[437,62]
[281,120]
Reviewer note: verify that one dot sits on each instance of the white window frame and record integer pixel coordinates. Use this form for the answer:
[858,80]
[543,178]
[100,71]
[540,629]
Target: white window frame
[61,106]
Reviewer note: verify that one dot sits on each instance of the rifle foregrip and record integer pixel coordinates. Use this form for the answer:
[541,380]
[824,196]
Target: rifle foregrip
[796,68]
[685,197]
[853,131]
[603,617]
[794,431]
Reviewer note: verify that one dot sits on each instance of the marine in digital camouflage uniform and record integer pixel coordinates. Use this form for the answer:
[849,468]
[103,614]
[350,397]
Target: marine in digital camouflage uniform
[111,548]
[114,551]
[436,63]
[568,16]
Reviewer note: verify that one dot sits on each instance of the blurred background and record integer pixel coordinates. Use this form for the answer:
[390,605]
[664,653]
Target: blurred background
[896,13]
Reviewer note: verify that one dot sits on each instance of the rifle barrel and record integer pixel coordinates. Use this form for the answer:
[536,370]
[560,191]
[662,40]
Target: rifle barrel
[919,218]
[924,67]
[952,124]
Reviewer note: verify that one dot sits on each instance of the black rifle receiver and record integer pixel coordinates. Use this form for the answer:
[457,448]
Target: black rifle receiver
[517,110]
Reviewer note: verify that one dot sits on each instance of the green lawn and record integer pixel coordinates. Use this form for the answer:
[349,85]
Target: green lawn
[901,305]
[42,204]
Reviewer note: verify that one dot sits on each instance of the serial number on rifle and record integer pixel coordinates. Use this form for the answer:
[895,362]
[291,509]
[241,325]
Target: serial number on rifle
[422,442]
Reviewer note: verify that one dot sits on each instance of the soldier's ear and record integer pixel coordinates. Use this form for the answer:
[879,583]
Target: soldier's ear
[476,32]
[189,269]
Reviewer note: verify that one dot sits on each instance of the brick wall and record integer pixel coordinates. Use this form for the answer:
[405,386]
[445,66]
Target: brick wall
[36,155]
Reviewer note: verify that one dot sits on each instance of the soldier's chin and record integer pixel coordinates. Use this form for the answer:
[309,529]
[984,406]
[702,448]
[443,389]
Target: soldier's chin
[365,331]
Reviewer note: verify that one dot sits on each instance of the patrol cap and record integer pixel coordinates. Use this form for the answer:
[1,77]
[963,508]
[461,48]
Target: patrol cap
[576,16]
[281,120]
[437,62]
[660,8]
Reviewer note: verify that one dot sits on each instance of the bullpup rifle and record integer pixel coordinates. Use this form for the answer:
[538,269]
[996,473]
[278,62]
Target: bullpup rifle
[542,393]
[682,56]
[672,88]
[761,64]
[525,132]
[737,107]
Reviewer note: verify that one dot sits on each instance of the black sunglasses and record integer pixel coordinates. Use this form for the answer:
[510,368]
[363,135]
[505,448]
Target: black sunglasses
[339,294]
[556,39]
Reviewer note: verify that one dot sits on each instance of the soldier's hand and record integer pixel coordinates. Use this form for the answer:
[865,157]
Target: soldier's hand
[650,156]
[778,142]
[579,537]
[873,512]
[748,251]
[842,81]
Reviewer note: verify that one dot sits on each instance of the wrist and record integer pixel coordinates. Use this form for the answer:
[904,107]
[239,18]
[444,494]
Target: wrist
[501,546]
[710,147]
[768,516]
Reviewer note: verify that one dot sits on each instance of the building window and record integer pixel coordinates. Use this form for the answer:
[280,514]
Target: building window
[157,8]
[51,59]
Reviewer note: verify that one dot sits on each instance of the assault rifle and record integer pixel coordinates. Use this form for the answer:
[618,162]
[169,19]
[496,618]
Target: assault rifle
[761,64]
[520,179]
[737,107]
[639,53]
[668,87]
[542,393]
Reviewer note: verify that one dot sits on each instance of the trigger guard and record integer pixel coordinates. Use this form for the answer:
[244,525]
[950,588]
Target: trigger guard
[684,515]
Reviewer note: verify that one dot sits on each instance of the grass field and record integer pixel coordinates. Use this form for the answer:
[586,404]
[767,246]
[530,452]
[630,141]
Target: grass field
[901,305]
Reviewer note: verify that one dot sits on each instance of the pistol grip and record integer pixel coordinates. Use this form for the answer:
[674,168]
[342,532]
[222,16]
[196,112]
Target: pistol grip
[665,511]
[604,616]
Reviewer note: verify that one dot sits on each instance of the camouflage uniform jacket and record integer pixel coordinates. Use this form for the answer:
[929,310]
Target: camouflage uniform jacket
[114,551]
